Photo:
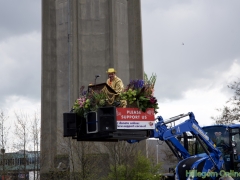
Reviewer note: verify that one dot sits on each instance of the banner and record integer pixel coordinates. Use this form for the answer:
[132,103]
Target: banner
[133,118]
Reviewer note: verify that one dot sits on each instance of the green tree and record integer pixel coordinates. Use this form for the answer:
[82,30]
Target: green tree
[121,158]
[141,169]
[145,169]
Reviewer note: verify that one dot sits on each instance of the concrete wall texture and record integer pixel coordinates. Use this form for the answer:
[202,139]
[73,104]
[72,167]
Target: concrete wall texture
[80,39]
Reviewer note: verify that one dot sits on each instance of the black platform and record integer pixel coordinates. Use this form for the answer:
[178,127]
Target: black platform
[118,135]
[102,128]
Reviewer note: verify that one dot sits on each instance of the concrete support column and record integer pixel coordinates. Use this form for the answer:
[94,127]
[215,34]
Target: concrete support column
[82,38]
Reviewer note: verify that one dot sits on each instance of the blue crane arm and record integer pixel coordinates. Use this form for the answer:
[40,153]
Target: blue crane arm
[165,133]
[160,129]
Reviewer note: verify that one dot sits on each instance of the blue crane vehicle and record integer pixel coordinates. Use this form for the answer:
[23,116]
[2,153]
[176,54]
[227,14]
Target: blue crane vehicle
[207,158]
[189,165]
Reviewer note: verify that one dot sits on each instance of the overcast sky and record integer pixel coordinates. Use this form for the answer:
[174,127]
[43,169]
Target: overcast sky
[20,53]
[192,46]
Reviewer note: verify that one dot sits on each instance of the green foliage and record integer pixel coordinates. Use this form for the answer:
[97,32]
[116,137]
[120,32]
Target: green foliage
[142,169]
[119,173]
[145,169]
[89,101]
[129,95]
[151,80]
[140,93]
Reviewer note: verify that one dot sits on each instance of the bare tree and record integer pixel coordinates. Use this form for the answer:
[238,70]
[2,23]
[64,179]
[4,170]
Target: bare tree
[121,153]
[35,139]
[85,160]
[21,132]
[90,159]
[4,135]
[230,113]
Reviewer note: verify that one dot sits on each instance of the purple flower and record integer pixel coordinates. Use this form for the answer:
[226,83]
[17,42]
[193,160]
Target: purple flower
[136,84]
[84,93]
[153,100]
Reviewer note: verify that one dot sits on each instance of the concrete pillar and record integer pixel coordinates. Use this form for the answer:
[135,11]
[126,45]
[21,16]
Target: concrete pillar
[82,38]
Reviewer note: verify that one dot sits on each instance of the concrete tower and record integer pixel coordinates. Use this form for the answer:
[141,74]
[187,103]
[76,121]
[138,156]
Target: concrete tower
[80,39]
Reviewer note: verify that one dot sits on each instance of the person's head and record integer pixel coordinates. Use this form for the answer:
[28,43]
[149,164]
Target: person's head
[111,73]
[218,134]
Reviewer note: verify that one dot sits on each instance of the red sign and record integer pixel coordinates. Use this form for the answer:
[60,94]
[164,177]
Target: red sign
[133,118]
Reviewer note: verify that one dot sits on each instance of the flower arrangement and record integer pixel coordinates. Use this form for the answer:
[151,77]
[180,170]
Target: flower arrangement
[138,93]
[89,101]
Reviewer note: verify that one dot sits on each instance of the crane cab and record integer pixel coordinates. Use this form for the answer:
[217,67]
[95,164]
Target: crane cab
[227,139]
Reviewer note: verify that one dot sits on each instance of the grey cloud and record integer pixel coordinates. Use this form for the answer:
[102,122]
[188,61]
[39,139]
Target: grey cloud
[21,65]
[20,59]
[19,17]
[20,83]
[211,43]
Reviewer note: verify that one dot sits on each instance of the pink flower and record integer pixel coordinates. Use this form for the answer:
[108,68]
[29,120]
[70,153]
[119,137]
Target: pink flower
[81,101]
[152,92]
